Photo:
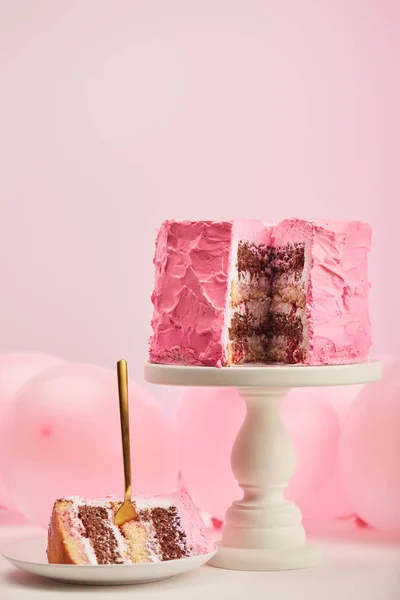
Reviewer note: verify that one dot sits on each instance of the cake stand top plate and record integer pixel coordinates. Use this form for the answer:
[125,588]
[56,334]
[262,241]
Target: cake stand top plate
[260,375]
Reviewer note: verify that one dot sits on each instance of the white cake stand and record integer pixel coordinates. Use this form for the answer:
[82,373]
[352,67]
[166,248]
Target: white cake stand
[263,531]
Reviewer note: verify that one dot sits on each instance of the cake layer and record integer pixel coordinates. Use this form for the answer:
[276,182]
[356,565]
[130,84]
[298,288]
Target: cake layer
[83,531]
[95,520]
[228,292]
[168,531]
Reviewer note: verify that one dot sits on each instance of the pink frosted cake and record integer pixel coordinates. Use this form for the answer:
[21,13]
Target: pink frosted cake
[231,292]
[82,531]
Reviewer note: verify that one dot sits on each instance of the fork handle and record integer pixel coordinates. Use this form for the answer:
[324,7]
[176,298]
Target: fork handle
[122,370]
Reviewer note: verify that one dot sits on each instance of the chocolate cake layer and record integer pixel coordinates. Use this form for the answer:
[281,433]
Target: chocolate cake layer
[258,259]
[290,326]
[250,297]
[246,325]
[254,258]
[101,536]
[268,300]
[170,535]
[289,258]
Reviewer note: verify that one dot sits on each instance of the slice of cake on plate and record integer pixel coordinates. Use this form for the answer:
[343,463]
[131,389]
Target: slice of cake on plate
[232,292]
[82,532]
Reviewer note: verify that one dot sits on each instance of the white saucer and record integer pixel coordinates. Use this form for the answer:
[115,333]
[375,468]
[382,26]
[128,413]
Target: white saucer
[30,556]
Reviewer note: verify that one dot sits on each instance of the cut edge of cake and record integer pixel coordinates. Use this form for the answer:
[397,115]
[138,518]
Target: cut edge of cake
[82,531]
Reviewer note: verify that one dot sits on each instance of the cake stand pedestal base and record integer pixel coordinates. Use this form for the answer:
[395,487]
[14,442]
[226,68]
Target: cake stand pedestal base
[245,559]
[263,531]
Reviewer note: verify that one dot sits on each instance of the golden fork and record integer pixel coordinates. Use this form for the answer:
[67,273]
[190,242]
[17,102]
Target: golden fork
[127,511]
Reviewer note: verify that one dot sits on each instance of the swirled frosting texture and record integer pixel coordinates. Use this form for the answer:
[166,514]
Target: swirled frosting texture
[195,262]
[337,287]
[192,261]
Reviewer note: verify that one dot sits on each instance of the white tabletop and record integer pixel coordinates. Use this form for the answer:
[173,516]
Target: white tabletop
[358,565]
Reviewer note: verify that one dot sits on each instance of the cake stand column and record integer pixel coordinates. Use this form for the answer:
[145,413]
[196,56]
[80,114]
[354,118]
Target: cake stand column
[263,531]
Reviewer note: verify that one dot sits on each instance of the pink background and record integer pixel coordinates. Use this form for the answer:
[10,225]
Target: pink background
[117,114]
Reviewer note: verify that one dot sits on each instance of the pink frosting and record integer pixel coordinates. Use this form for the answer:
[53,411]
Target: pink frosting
[197,539]
[337,287]
[193,260]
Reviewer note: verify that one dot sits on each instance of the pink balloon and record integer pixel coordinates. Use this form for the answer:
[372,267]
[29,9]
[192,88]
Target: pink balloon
[63,438]
[168,397]
[314,428]
[208,421]
[15,370]
[332,500]
[342,397]
[370,452]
